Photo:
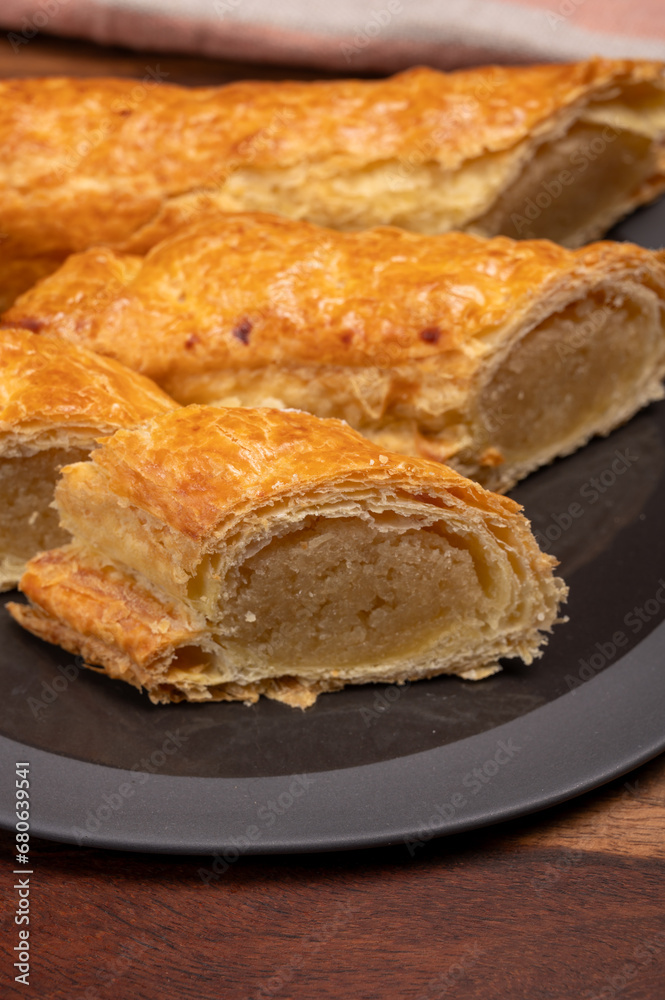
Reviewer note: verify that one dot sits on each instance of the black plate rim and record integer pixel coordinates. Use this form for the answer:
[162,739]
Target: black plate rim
[581,740]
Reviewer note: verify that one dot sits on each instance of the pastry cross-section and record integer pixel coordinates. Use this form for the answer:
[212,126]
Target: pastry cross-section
[56,401]
[227,553]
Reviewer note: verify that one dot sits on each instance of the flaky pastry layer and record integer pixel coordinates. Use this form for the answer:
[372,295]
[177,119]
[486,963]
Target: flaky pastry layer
[493,355]
[56,400]
[558,151]
[227,553]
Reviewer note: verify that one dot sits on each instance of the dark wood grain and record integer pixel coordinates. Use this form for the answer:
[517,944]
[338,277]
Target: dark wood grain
[562,905]
[568,905]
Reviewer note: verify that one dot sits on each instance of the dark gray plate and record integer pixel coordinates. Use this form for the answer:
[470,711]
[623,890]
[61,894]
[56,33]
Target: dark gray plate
[377,765]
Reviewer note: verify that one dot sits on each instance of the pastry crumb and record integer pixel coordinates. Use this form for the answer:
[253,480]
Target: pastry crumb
[492,457]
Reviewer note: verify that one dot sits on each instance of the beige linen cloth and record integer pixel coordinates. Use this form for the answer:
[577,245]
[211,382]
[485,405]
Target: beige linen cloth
[354,35]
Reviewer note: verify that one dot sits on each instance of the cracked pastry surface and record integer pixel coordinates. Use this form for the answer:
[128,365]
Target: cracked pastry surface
[558,151]
[494,356]
[56,401]
[227,553]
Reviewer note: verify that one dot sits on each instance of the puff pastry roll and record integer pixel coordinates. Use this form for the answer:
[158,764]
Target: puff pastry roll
[559,151]
[56,400]
[492,355]
[225,553]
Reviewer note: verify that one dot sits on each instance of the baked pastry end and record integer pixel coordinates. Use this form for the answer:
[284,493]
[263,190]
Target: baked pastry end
[221,554]
[56,402]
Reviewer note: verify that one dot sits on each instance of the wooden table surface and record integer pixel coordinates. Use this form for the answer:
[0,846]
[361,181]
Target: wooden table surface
[565,905]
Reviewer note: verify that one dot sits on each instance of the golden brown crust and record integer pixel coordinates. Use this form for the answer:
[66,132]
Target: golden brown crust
[339,117]
[169,517]
[106,604]
[85,162]
[200,466]
[57,400]
[53,393]
[20,273]
[392,331]
[248,290]
[242,291]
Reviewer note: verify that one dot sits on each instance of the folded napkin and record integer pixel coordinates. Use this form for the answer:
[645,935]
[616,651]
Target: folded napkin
[354,35]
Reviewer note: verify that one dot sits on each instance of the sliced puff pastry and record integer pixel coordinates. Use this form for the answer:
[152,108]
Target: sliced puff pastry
[227,553]
[56,400]
[559,151]
[492,355]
